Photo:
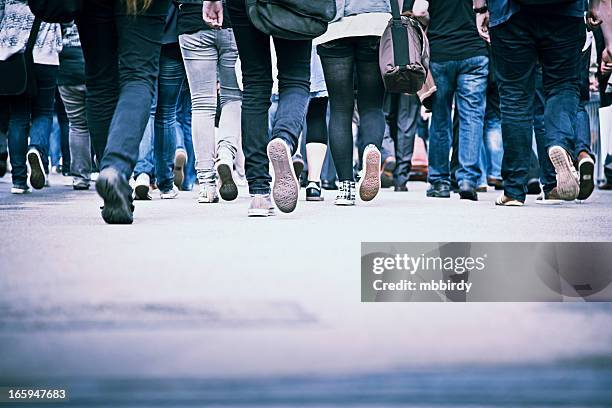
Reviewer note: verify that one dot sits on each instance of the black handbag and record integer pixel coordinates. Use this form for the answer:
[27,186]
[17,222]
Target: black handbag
[18,70]
[56,11]
[291,19]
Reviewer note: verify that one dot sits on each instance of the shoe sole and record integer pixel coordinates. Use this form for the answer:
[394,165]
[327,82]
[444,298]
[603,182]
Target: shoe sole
[438,195]
[260,213]
[116,208]
[141,192]
[37,174]
[567,186]
[586,169]
[228,189]
[179,169]
[370,185]
[286,188]
[315,198]
[344,203]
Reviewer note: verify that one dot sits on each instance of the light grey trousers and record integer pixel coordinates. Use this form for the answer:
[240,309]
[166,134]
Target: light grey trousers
[73,97]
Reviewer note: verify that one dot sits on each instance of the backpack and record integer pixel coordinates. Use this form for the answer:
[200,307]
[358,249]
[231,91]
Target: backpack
[404,53]
[56,11]
[291,19]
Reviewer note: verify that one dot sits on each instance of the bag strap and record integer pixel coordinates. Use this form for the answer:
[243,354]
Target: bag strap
[399,35]
[32,38]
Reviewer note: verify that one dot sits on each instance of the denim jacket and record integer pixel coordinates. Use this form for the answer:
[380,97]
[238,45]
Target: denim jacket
[347,8]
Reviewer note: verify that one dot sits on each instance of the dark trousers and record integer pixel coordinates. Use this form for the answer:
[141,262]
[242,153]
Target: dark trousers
[517,46]
[121,67]
[293,61]
[402,112]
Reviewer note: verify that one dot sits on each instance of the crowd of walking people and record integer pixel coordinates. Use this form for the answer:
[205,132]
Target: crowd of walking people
[189,94]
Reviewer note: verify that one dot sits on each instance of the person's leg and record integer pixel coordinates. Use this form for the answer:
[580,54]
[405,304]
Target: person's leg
[98,34]
[171,77]
[231,107]
[440,134]
[560,40]
[585,158]
[184,139]
[471,103]
[64,127]
[43,105]
[74,97]
[408,112]
[4,121]
[254,49]
[19,122]
[515,57]
[493,136]
[316,137]
[200,56]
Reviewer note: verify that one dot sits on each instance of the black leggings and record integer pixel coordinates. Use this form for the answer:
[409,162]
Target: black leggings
[316,121]
[342,59]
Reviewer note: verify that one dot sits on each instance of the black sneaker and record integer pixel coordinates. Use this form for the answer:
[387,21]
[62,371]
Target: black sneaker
[227,187]
[3,163]
[586,171]
[38,178]
[329,185]
[467,191]
[313,191]
[439,190]
[533,187]
[114,188]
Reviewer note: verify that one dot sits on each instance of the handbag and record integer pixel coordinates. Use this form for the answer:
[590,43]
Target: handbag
[56,11]
[291,19]
[404,52]
[18,70]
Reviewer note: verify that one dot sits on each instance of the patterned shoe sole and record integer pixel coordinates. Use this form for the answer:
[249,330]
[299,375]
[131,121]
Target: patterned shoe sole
[228,189]
[179,169]
[370,185]
[37,174]
[587,182]
[285,189]
[567,185]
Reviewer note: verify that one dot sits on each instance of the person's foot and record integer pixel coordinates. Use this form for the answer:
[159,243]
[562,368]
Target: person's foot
[567,178]
[386,171]
[346,194]
[142,187]
[170,194]
[467,191]
[285,189]
[505,201]
[550,198]
[298,166]
[227,187]
[261,206]
[369,182]
[606,185]
[533,187]
[586,171]
[438,190]
[80,184]
[180,158]
[20,189]
[313,191]
[401,188]
[208,195]
[329,185]
[498,184]
[482,189]
[3,163]
[116,192]
[38,178]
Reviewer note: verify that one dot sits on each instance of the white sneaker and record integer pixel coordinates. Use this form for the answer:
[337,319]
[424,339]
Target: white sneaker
[346,193]
[207,195]
[169,195]
[567,175]
[20,190]
[369,182]
[142,187]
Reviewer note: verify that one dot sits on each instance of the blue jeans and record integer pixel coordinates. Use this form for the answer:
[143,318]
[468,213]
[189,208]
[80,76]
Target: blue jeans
[466,82]
[183,135]
[170,83]
[492,150]
[35,113]
[518,45]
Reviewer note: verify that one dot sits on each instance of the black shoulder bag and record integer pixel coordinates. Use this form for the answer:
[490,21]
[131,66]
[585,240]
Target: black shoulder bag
[18,70]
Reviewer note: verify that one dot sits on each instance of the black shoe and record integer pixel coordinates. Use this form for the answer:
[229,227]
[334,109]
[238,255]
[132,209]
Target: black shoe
[298,166]
[586,171]
[329,185]
[114,188]
[454,186]
[227,187]
[467,191]
[496,183]
[403,187]
[439,190]
[386,172]
[38,177]
[313,191]
[3,163]
[533,187]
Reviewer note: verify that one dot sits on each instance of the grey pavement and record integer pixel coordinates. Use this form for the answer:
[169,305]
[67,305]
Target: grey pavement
[202,290]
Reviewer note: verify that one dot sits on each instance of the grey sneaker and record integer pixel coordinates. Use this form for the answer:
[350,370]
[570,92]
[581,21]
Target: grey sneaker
[286,188]
[369,182]
[261,206]
[79,183]
[208,195]
[170,194]
[567,176]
